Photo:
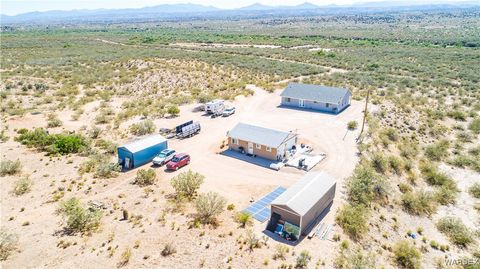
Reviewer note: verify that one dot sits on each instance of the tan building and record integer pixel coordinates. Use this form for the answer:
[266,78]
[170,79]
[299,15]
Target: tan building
[298,209]
[263,142]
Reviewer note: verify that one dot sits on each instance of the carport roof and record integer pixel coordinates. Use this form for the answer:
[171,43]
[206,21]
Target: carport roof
[305,193]
[141,144]
[259,135]
[319,93]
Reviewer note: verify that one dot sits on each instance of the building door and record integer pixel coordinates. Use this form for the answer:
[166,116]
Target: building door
[250,148]
[301,103]
[127,163]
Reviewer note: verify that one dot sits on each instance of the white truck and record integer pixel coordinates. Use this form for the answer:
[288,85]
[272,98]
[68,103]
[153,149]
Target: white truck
[215,106]
[189,130]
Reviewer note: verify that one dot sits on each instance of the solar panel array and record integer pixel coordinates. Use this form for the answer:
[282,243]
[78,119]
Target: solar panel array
[260,210]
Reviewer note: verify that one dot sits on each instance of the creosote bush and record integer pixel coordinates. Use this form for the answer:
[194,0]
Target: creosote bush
[407,255]
[303,259]
[243,219]
[187,184]
[353,220]
[168,249]
[22,185]
[455,230]
[354,258]
[474,190]
[78,218]
[143,127]
[209,206]
[352,125]
[280,252]
[145,177]
[419,203]
[366,186]
[8,244]
[9,167]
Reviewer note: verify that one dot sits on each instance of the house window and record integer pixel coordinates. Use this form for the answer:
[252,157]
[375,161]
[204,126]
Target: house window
[326,105]
[258,146]
[288,99]
[235,141]
[269,149]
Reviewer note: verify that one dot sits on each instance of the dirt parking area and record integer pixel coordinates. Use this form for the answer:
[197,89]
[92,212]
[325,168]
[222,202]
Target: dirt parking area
[239,180]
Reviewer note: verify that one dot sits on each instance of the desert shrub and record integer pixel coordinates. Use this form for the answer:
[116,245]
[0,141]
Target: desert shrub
[445,195]
[462,161]
[243,219]
[143,127]
[404,187]
[109,147]
[8,167]
[365,186]
[95,132]
[438,151]
[168,249]
[53,121]
[474,190]
[125,257]
[380,163]
[173,110]
[145,177]
[407,255]
[303,259]
[474,126]
[352,125]
[78,218]
[355,258]
[187,184]
[100,166]
[353,220]
[434,177]
[22,185]
[396,164]
[107,170]
[409,149]
[209,206]
[8,244]
[280,252]
[457,115]
[53,143]
[455,230]
[251,239]
[419,203]
[464,137]
[391,134]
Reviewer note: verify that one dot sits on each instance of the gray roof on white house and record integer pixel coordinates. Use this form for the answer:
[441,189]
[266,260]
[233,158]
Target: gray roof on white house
[324,94]
[259,135]
[141,144]
[306,192]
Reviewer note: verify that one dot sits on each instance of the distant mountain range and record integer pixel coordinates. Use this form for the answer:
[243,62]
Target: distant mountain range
[179,11]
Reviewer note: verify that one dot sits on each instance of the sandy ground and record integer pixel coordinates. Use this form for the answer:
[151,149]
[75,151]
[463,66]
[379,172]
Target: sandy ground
[237,180]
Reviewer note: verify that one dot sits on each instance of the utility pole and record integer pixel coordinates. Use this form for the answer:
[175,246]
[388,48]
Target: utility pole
[365,112]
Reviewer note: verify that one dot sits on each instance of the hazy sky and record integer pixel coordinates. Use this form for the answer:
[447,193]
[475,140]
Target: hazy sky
[13,7]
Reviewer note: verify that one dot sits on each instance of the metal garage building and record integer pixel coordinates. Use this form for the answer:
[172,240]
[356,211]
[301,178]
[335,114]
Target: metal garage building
[140,152]
[298,208]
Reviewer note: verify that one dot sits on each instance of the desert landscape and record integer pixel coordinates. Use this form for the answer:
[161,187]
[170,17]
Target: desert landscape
[407,183]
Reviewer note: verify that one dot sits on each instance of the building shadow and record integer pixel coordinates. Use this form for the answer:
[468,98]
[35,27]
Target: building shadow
[256,160]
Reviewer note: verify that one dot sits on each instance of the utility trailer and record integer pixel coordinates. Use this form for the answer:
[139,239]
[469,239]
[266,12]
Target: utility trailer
[215,106]
[188,130]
